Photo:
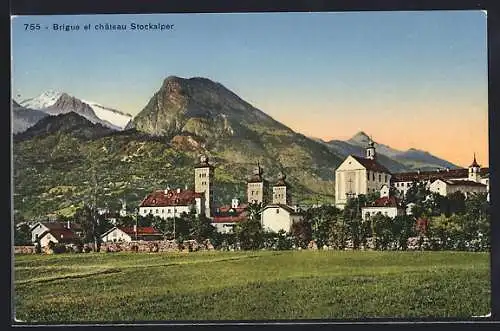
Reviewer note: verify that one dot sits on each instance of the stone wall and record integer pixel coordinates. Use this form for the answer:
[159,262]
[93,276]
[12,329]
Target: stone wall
[156,246]
[24,250]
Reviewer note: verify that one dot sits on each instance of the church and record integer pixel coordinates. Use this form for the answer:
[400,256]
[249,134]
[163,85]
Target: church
[360,175]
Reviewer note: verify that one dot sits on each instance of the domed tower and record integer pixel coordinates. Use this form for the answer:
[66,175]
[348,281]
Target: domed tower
[257,186]
[370,150]
[204,182]
[281,193]
[474,169]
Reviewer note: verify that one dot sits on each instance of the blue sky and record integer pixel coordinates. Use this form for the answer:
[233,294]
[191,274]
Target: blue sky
[323,74]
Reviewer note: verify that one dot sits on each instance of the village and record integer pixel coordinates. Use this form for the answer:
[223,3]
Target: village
[269,204]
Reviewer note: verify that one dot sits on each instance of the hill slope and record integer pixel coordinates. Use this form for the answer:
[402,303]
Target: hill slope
[55,164]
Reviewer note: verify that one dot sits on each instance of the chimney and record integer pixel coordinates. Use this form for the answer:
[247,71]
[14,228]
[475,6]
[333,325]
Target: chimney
[69,224]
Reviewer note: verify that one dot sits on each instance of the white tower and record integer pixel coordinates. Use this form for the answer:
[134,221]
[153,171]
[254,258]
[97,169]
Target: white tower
[281,194]
[204,181]
[474,169]
[370,150]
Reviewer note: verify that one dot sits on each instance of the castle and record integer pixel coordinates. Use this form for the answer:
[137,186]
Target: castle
[277,214]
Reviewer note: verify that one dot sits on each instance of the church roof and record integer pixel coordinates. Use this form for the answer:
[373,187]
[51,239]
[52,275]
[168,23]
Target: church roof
[170,198]
[371,164]
[474,163]
[281,182]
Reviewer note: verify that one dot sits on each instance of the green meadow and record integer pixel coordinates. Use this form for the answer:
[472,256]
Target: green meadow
[263,285]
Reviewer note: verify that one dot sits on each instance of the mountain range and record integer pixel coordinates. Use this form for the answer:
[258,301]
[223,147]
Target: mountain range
[55,103]
[77,146]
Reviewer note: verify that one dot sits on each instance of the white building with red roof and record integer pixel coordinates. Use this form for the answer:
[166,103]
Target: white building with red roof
[131,233]
[385,205]
[449,186]
[170,203]
[445,181]
[57,236]
[226,217]
[360,175]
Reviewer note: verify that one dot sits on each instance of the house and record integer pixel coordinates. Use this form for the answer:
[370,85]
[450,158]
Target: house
[386,205]
[171,203]
[58,236]
[276,217]
[127,234]
[41,227]
[226,217]
[449,186]
[360,175]
[474,173]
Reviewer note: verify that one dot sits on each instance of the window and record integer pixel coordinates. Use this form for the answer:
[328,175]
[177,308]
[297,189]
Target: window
[386,178]
[379,177]
[277,211]
[169,210]
[367,175]
[163,211]
[156,211]
[373,176]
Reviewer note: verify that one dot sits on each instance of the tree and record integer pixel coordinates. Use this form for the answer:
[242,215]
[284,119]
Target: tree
[403,229]
[22,235]
[321,220]
[250,234]
[383,231]
[456,203]
[200,227]
[301,231]
[90,222]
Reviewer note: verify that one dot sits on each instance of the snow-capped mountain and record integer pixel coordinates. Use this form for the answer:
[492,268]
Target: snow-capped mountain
[113,116]
[24,118]
[55,102]
[44,100]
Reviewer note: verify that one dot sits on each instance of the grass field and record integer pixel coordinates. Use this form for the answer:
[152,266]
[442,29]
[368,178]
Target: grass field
[250,285]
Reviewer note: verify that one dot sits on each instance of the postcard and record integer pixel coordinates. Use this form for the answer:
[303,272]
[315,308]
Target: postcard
[250,167]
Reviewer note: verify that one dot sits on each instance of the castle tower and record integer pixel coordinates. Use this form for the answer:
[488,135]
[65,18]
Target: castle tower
[257,186]
[474,169]
[281,193]
[370,150]
[204,182]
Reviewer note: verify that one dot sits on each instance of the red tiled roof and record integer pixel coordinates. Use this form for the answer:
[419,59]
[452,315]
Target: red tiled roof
[171,198]
[227,214]
[229,219]
[370,164]
[141,230]
[433,175]
[385,202]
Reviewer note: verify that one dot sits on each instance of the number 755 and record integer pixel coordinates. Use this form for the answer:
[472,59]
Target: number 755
[31,27]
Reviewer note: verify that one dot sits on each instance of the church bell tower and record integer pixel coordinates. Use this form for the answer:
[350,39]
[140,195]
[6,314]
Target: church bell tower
[474,169]
[370,150]
[204,182]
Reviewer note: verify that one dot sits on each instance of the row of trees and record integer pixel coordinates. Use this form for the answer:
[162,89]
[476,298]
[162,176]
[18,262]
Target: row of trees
[437,222]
